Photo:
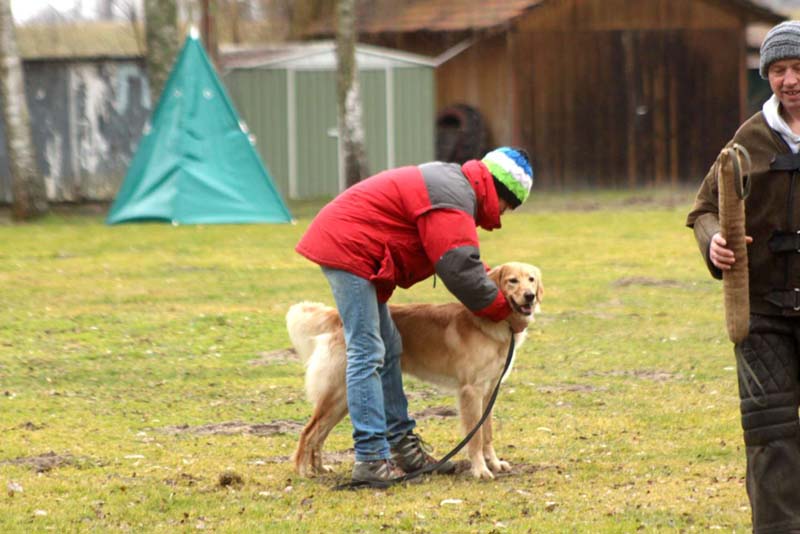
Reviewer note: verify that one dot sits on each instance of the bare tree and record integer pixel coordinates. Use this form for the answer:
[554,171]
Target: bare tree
[105,9]
[161,35]
[208,29]
[232,11]
[301,13]
[351,132]
[129,11]
[29,193]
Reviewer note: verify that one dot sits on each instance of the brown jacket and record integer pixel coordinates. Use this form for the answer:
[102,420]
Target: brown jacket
[773,206]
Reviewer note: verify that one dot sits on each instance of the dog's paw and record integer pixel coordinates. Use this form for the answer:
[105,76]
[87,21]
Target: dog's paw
[482,472]
[499,466]
[325,469]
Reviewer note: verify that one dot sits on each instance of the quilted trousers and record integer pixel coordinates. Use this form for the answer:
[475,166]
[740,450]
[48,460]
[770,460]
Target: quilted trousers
[768,362]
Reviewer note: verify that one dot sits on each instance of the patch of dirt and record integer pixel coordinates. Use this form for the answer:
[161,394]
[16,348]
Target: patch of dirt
[517,469]
[670,201]
[417,391]
[28,425]
[238,427]
[462,466]
[279,355]
[193,269]
[328,458]
[338,457]
[632,199]
[43,462]
[527,469]
[80,208]
[66,209]
[230,478]
[577,388]
[646,281]
[435,411]
[573,315]
[643,374]
[586,205]
[183,479]
[637,200]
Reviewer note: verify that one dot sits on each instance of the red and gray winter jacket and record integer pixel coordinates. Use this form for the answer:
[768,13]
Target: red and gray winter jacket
[402,225]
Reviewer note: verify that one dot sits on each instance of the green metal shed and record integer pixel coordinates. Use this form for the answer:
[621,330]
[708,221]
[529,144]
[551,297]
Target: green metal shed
[287,97]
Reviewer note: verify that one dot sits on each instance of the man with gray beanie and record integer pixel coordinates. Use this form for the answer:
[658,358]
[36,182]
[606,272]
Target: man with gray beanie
[768,359]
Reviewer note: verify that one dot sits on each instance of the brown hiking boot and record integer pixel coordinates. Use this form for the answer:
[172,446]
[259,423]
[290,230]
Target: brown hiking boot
[411,454]
[376,473]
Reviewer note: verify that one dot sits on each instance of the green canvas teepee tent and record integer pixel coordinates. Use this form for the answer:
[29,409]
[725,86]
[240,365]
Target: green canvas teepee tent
[195,162]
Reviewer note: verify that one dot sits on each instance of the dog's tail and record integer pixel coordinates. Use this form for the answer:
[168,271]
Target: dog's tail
[307,320]
[316,333]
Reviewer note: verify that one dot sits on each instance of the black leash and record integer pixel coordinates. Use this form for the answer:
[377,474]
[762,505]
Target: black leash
[353,485]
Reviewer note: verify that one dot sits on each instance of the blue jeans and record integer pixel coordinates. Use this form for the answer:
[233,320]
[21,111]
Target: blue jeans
[378,406]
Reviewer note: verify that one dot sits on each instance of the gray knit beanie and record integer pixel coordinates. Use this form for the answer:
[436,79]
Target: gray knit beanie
[781,42]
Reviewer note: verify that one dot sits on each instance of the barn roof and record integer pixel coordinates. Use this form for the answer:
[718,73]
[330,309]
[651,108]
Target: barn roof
[443,15]
[394,16]
[379,16]
[80,40]
[764,11]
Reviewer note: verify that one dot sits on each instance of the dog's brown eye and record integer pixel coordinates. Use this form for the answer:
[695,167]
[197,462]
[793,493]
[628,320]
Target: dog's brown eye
[513,281]
[531,279]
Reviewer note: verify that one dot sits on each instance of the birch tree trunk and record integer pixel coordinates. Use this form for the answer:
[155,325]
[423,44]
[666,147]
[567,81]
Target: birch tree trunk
[27,185]
[161,36]
[351,131]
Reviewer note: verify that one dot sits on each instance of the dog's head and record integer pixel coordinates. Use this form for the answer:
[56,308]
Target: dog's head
[521,284]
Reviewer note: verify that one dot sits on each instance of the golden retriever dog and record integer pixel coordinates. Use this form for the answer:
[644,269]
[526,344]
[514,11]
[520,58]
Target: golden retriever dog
[444,344]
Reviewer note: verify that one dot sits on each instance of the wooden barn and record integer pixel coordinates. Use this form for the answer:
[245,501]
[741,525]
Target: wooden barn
[88,99]
[601,92]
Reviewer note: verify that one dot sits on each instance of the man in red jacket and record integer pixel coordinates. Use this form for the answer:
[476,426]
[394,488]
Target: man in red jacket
[396,229]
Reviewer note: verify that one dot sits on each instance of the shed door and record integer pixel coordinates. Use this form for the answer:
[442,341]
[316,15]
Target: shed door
[318,158]
[316,143]
[374,120]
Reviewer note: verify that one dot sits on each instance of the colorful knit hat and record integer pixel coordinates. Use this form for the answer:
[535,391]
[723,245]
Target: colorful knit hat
[513,176]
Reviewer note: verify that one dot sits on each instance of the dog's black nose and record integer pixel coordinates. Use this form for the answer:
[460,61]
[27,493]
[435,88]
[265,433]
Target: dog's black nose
[529,296]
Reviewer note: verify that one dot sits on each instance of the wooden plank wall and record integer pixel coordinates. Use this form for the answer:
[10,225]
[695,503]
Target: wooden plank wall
[609,92]
[480,76]
[626,108]
[617,93]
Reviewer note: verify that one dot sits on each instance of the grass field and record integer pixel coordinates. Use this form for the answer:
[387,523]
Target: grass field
[144,387]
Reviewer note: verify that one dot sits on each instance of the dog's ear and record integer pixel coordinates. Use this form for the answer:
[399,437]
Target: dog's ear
[539,289]
[496,274]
